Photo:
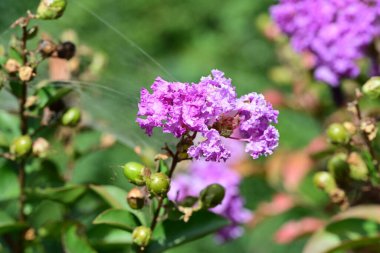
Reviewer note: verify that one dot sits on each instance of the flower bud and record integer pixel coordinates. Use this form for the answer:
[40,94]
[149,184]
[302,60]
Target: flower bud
[338,166]
[71,117]
[135,173]
[338,134]
[51,9]
[324,181]
[372,87]
[66,50]
[21,146]
[141,236]
[40,147]
[47,47]
[25,73]
[12,66]
[358,168]
[212,196]
[158,184]
[136,198]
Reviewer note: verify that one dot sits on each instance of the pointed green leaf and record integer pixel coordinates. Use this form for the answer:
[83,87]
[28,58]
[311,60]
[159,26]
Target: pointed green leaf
[170,233]
[65,194]
[118,218]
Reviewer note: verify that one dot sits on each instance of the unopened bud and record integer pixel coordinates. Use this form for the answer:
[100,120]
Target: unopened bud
[338,166]
[71,117]
[158,184]
[47,47]
[40,147]
[136,198]
[12,66]
[135,173]
[141,236]
[51,9]
[25,73]
[372,87]
[212,196]
[66,50]
[358,168]
[338,134]
[324,181]
[21,146]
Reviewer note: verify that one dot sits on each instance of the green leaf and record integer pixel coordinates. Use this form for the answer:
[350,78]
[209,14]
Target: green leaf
[118,218]
[358,226]
[169,234]
[73,242]
[106,237]
[47,212]
[48,95]
[9,185]
[116,198]
[8,224]
[65,194]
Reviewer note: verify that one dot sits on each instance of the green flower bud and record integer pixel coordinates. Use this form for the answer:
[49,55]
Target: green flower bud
[338,134]
[358,168]
[141,236]
[21,146]
[158,184]
[136,198]
[338,166]
[71,117]
[135,173]
[325,181]
[212,196]
[51,9]
[372,87]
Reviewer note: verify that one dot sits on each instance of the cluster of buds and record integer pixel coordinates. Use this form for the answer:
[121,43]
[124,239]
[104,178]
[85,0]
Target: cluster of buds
[157,185]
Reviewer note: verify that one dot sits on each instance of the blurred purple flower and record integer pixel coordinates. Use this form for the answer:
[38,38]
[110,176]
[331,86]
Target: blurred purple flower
[200,175]
[338,32]
[211,109]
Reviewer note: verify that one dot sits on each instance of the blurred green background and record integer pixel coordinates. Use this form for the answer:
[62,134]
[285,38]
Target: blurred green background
[179,40]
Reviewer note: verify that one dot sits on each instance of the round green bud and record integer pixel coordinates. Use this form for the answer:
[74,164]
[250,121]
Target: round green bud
[158,184]
[372,87]
[21,146]
[325,181]
[338,134]
[51,9]
[338,166]
[71,117]
[136,198]
[141,236]
[212,195]
[135,173]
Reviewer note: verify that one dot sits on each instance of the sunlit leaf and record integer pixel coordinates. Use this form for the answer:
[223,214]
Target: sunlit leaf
[73,242]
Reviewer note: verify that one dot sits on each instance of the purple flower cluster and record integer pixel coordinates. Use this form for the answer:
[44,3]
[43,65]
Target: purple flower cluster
[337,32]
[212,110]
[200,175]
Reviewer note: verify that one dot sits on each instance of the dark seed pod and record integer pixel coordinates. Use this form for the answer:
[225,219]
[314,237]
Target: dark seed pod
[212,195]
[66,50]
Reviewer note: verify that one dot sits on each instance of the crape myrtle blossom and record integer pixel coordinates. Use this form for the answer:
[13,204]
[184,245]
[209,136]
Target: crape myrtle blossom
[201,174]
[337,32]
[211,111]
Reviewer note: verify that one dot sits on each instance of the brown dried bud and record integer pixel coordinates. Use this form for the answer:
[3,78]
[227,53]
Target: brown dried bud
[12,66]
[47,47]
[350,127]
[368,126]
[136,198]
[25,73]
[40,147]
